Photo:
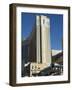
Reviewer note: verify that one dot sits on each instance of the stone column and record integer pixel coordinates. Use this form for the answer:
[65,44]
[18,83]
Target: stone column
[38,39]
[46,46]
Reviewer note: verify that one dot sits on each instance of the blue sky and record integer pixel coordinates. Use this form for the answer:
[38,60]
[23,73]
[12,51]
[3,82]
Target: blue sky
[56,27]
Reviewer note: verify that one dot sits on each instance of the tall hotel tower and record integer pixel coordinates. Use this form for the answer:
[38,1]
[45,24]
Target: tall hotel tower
[43,47]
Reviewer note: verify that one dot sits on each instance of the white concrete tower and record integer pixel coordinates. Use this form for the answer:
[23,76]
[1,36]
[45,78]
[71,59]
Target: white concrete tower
[43,46]
[38,39]
[46,46]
